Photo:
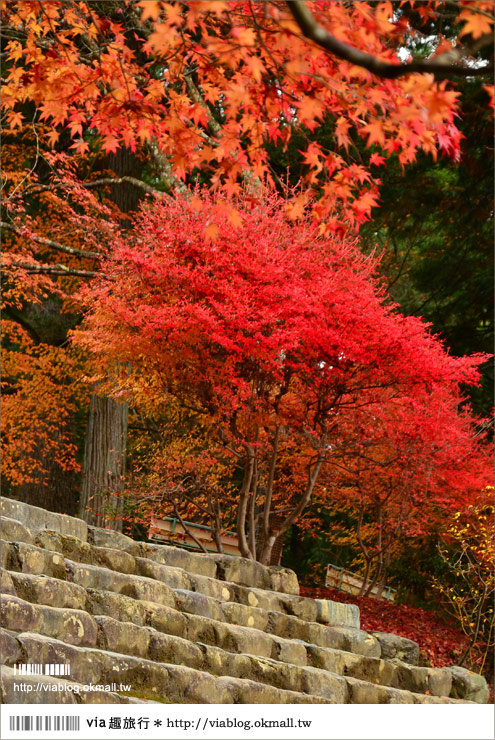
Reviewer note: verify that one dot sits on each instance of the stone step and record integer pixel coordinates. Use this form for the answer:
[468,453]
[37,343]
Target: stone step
[19,614]
[156,680]
[70,536]
[204,596]
[118,604]
[187,569]
[313,676]
[161,680]
[37,519]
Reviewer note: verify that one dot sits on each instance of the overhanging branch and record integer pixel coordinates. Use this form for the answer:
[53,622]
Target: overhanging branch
[444,65]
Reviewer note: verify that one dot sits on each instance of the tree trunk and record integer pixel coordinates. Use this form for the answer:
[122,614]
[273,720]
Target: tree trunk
[105,448]
[104,462]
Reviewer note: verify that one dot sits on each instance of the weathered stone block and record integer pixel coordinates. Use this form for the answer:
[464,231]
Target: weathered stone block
[6,583]
[122,637]
[146,589]
[165,619]
[115,540]
[243,571]
[176,557]
[393,646]
[468,685]
[267,600]
[118,560]
[172,649]
[289,651]
[70,625]
[439,681]
[10,649]
[35,560]
[222,663]
[337,614]
[411,677]
[246,616]
[358,641]
[173,577]
[284,625]
[397,696]
[283,580]
[19,615]
[243,640]
[211,587]
[361,692]
[328,659]
[41,589]
[196,687]
[200,629]
[7,555]
[298,606]
[137,587]
[37,519]
[243,691]
[196,603]
[69,546]
[345,638]
[321,683]
[123,608]
[87,665]
[12,530]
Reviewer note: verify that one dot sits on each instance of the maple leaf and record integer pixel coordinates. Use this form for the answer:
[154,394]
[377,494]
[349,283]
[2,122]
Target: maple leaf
[377,159]
[365,203]
[476,24]
[235,217]
[15,119]
[110,143]
[341,131]
[244,36]
[312,156]
[150,9]
[376,133]
[80,146]
[211,232]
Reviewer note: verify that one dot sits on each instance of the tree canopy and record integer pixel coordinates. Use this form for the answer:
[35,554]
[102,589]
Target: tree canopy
[236,310]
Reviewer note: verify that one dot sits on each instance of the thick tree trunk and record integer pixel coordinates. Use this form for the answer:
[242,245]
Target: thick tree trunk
[105,448]
[104,462]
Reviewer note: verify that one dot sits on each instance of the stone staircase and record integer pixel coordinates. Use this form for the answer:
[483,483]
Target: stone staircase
[181,627]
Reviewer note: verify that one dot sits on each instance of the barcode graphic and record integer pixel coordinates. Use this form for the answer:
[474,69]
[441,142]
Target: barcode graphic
[30,723]
[42,669]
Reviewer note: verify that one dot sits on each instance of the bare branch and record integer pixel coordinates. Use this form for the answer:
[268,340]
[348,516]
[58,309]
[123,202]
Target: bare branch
[50,243]
[442,66]
[52,269]
[124,179]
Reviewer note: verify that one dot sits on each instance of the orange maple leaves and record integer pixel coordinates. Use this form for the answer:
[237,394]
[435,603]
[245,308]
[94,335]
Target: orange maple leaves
[210,83]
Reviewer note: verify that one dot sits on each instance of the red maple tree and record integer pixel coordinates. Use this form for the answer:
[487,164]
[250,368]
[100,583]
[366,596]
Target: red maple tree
[274,334]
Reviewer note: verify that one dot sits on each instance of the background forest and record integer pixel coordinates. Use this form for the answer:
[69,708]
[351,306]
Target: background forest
[247,254]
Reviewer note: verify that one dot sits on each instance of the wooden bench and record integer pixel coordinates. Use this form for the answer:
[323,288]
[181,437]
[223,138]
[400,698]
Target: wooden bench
[350,583]
[170,530]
